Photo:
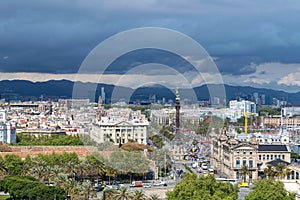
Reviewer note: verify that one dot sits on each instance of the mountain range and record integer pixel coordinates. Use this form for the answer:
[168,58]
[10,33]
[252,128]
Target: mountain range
[54,89]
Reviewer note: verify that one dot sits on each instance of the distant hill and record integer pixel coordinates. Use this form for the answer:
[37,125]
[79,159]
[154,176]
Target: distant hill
[63,89]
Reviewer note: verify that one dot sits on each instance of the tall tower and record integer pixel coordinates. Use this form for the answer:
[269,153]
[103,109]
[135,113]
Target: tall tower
[177,107]
[103,95]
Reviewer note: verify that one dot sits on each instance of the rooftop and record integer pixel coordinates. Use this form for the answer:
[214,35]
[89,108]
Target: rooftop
[276,162]
[272,147]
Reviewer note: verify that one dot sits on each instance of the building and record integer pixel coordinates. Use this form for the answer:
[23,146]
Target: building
[7,129]
[276,121]
[243,106]
[121,126]
[177,107]
[228,155]
[103,95]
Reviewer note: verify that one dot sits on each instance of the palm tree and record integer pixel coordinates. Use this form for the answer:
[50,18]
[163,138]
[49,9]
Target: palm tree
[69,185]
[122,194]
[39,173]
[87,190]
[138,195]
[269,171]
[55,170]
[26,169]
[244,172]
[69,169]
[154,197]
[110,172]
[108,194]
[281,171]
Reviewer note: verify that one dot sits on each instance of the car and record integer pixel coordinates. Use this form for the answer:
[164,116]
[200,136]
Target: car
[136,184]
[146,185]
[160,183]
[244,184]
[204,166]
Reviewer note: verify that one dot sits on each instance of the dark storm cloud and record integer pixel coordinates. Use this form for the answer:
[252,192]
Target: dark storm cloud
[55,35]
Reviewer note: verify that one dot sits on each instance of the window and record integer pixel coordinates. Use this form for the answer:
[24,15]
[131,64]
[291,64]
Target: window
[237,164]
[282,157]
[259,157]
[250,152]
[244,162]
[278,156]
[237,175]
[272,157]
[267,157]
[250,163]
[238,152]
[264,157]
[275,156]
[244,153]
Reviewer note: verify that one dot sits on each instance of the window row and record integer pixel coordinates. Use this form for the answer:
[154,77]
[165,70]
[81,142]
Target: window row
[244,163]
[270,157]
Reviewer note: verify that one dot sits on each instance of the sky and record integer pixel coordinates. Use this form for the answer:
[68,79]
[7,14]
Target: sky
[254,43]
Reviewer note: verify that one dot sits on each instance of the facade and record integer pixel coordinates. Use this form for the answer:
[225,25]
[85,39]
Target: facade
[228,155]
[276,121]
[243,106]
[121,126]
[7,130]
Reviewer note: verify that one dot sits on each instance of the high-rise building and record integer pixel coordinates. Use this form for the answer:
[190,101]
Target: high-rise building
[7,129]
[103,95]
[255,97]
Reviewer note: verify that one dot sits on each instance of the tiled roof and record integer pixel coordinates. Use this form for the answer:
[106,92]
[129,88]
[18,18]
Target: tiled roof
[268,148]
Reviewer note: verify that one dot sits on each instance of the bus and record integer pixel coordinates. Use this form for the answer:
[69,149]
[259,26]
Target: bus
[232,181]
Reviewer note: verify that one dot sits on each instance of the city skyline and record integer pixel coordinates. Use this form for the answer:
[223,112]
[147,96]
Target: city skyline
[254,43]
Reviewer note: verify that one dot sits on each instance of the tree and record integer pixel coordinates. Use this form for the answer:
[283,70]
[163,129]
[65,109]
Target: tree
[154,197]
[202,188]
[162,156]
[138,195]
[26,187]
[13,164]
[128,162]
[3,169]
[266,189]
[281,171]
[269,171]
[244,172]
[108,194]
[122,194]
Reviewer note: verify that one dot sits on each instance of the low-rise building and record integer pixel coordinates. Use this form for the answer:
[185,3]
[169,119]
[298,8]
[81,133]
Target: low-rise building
[121,126]
[228,155]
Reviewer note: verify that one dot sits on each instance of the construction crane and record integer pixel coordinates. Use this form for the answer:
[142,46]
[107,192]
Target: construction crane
[246,115]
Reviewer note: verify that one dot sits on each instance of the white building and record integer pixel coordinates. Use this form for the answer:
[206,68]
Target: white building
[121,126]
[7,130]
[243,106]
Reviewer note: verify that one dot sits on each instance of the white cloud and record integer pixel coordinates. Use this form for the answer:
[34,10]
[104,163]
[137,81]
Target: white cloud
[291,79]
[270,75]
